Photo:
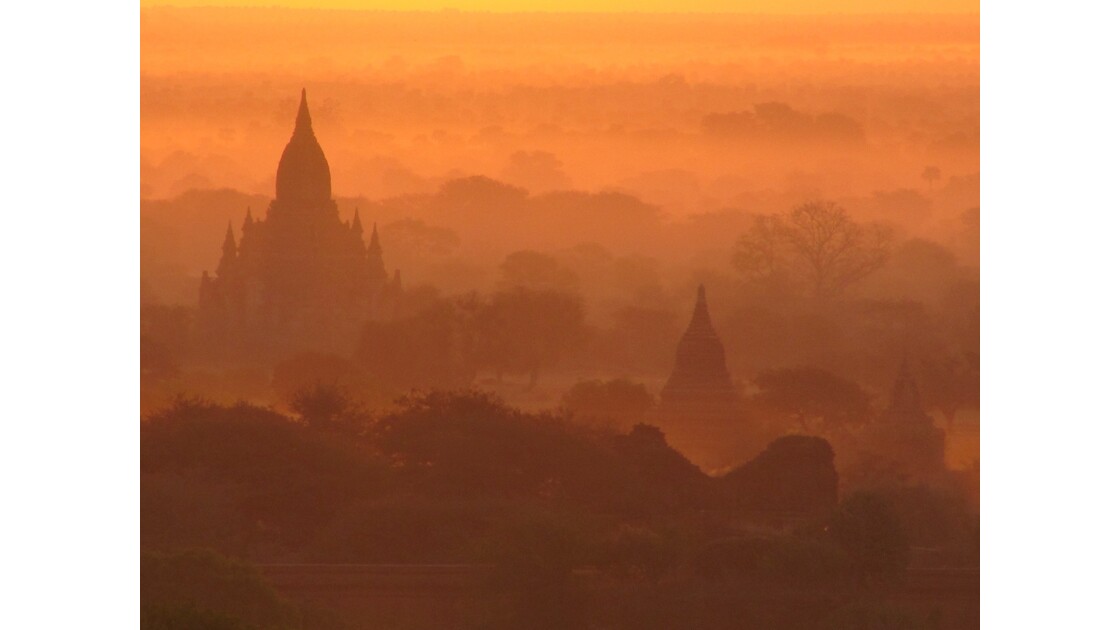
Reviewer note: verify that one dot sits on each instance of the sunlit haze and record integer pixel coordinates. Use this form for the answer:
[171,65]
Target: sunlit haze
[539,315]
[627,6]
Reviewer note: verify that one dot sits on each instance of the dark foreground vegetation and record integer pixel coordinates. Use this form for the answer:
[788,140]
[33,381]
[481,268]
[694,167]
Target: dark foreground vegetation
[569,526]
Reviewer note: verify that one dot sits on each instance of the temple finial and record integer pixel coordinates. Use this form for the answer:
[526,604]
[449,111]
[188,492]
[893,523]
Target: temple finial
[375,240]
[248,222]
[375,261]
[303,118]
[700,382]
[229,252]
[701,320]
[356,223]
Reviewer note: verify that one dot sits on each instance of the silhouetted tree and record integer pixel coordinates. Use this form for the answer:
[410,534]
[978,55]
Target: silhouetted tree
[760,254]
[265,479]
[817,400]
[539,170]
[433,348]
[523,330]
[619,401]
[308,369]
[329,408]
[478,194]
[778,122]
[471,443]
[537,271]
[818,243]
[409,242]
[834,251]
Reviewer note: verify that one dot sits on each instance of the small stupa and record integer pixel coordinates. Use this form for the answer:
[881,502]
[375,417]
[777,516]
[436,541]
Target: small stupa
[700,381]
[905,433]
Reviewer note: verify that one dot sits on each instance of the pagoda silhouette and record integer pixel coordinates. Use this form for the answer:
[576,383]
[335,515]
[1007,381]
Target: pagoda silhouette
[904,433]
[699,383]
[301,278]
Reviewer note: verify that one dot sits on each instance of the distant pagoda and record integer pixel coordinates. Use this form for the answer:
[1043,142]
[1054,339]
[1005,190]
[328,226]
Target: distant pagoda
[905,434]
[700,383]
[301,279]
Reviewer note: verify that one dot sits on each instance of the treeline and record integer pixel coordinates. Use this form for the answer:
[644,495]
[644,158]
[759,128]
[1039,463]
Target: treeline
[809,286]
[461,477]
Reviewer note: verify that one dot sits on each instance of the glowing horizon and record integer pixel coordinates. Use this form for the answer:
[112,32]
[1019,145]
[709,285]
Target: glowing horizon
[760,7]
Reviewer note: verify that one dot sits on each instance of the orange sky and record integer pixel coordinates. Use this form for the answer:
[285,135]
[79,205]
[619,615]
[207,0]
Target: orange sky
[689,6]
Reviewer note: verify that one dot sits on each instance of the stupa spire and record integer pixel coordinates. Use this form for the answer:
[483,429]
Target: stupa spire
[303,116]
[700,375]
[356,223]
[229,252]
[247,223]
[229,246]
[374,241]
[376,262]
[701,322]
[303,177]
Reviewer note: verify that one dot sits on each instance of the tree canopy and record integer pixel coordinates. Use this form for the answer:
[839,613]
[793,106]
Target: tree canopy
[815,399]
[815,245]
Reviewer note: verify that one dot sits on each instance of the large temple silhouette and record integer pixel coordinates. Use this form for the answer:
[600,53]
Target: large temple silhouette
[699,384]
[301,278]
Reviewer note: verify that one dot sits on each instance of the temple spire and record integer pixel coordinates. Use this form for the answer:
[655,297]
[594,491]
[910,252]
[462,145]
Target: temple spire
[247,223]
[376,262]
[230,244]
[699,381]
[374,241]
[701,320]
[229,252]
[356,223]
[303,117]
[303,177]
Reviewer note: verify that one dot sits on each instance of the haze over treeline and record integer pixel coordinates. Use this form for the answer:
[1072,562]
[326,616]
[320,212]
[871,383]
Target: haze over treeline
[688,111]
[646,320]
[619,160]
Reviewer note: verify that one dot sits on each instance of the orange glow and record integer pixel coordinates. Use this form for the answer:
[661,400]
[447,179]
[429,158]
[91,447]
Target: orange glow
[622,158]
[623,6]
[667,312]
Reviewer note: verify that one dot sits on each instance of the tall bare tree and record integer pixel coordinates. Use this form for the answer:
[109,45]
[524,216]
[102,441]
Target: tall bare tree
[816,243]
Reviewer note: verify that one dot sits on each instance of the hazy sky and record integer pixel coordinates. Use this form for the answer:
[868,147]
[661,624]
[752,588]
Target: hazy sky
[694,6]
